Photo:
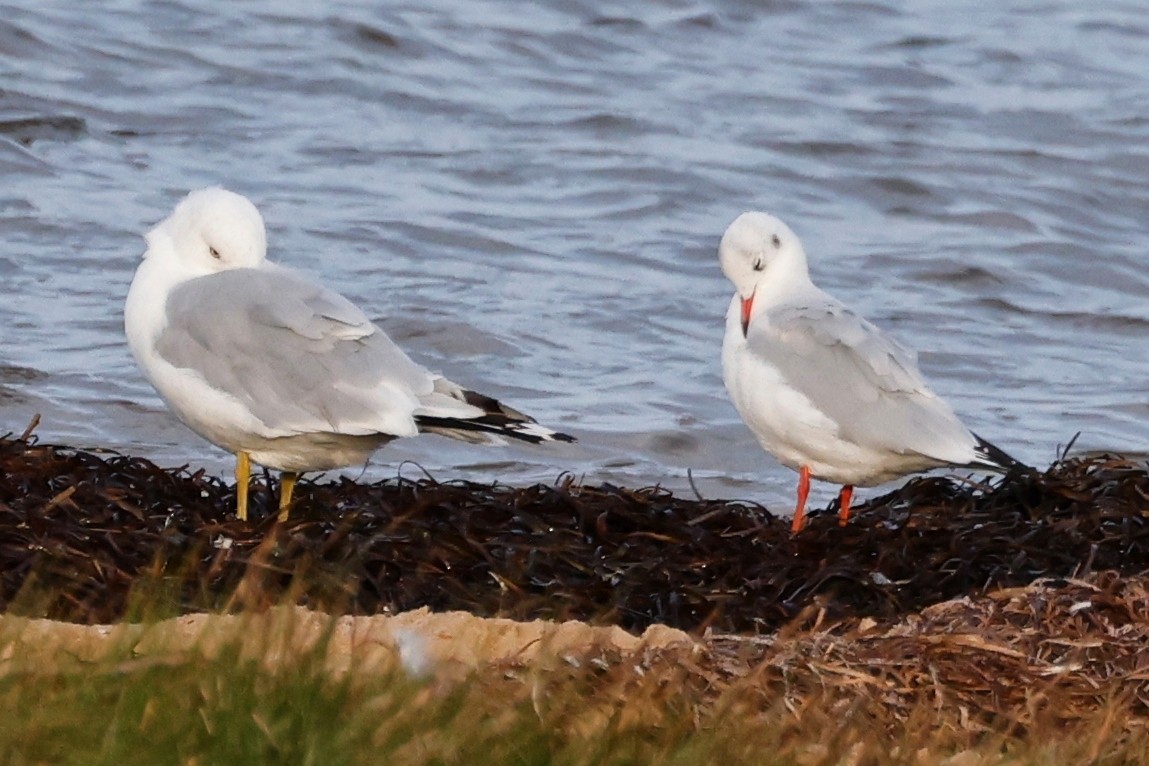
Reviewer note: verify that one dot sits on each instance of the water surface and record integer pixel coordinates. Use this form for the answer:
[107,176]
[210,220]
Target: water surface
[528,197]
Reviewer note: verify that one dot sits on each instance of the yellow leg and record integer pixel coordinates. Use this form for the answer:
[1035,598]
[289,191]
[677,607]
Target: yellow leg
[242,479]
[286,486]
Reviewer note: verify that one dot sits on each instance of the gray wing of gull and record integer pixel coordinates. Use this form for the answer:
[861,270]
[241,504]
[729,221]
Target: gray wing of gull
[300,357]
[860,378]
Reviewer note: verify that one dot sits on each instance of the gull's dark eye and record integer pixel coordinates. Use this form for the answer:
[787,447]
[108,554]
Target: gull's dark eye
[759,265]
[214,253]
[777,242]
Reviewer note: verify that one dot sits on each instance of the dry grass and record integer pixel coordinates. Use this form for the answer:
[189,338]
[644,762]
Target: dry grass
[1031,663]
[1052,673]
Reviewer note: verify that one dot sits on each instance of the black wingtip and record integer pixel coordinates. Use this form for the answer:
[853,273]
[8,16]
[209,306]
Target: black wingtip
[497,419]
[495,424]
[998,457]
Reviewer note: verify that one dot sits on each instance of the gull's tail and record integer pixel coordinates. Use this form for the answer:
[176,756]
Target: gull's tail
[995,458]
[494,421]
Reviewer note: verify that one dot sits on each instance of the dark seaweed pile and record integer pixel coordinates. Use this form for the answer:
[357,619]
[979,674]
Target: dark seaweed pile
[89,538]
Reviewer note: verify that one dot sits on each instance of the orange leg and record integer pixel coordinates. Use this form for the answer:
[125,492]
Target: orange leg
[800,509]
[844,504]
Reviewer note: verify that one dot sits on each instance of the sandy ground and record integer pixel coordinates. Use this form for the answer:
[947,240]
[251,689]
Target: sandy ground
[422,642]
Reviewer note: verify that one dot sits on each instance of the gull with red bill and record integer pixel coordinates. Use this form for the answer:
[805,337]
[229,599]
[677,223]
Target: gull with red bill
[822,389]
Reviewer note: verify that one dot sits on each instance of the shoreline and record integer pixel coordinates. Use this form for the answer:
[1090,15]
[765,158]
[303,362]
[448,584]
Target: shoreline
[89,536]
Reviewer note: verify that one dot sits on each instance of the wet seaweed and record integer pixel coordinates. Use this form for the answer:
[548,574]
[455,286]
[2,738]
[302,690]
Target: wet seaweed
[83,534]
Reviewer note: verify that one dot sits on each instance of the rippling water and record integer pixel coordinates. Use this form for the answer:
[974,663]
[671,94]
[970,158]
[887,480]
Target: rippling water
[529,198]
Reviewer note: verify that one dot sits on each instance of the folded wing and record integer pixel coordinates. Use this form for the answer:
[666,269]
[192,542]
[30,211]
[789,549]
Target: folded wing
[861,379]
[302,358]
